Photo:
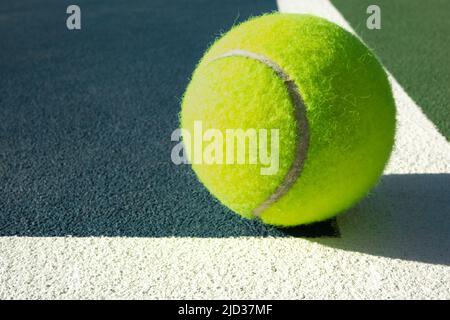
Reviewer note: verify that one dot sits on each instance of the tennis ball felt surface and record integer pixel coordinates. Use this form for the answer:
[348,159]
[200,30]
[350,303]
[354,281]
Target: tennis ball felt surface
[347,102]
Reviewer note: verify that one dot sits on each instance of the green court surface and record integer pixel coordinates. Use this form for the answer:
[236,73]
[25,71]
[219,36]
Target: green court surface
[414,45]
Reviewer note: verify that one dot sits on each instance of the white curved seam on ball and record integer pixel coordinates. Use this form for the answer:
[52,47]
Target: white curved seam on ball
[302,142]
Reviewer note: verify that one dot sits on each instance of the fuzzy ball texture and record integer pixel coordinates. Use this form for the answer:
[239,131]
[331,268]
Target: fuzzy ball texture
[349,107]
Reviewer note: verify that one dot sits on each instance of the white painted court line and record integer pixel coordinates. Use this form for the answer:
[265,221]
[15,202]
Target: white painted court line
[385,252]
[206,268]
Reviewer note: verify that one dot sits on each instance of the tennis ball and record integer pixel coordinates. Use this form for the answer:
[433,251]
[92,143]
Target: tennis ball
[322,90]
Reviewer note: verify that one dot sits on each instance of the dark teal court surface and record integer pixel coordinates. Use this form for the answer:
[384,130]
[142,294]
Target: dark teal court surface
[86,118]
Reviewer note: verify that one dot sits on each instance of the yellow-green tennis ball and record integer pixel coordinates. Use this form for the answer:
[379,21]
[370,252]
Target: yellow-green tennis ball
[323,90]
